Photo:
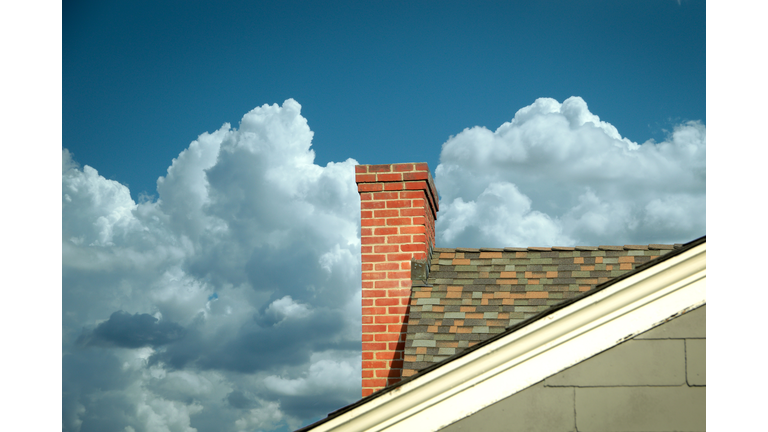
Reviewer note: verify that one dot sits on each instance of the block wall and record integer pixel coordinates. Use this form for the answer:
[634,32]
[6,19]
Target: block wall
[398,210]
[654,382]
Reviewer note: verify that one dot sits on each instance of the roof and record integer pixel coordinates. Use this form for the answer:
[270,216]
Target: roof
[473,294]
[636,300]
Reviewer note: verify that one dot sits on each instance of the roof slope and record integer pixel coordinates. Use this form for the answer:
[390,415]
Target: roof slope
[473,294]
[526,353]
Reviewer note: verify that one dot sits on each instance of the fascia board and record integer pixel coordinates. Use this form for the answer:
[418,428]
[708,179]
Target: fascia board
[532,353]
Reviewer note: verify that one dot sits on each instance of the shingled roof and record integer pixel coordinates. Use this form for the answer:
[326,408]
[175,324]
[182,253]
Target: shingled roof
[469,295]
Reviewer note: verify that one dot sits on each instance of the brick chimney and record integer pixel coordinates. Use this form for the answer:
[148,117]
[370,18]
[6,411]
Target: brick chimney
[398,211]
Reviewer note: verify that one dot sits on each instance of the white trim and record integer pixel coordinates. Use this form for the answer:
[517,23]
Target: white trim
[534,352]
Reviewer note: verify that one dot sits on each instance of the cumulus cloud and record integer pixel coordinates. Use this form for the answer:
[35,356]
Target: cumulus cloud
[179,313]
[556,175]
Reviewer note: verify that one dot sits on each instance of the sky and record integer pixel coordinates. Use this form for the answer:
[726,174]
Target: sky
[210,219]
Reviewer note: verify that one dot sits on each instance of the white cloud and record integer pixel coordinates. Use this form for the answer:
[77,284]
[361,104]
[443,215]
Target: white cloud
[558,175]
[245,226]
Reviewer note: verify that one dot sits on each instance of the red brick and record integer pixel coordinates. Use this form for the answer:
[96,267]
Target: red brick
[387,284]
[368,231]
[397,346]
[419,220]
[386,195]
[365,178]
[367,356]
[374,311]
[393,381]
[419,256]
[372,258]
[361,169]
[387,302]
[366,302]
[367,319]
[372,276]
[386,337]
[398,203]
[398,309]
[415,176]
[366,196]
[386,213]
[419,229]
[387,266]
[366,214]
[367,337]
[370,187]
[397,328]
[387,319]
[372,222]
[388,355]
[421,166]
[374,383]
[374,364]
[405,265]
[413,185]
[374,346]
[386,248]
[385,231]
[397,239]
[392,186]
[367,374]
[399,221]
[366,392]
[372,204]
[402,167]
[398,274]
[412,212]
[412,247]
[389,177]
[372,240]
[399,257]
[369,267]
[366,249]
[379,168]
[374,293]
[417,203]
[402,292]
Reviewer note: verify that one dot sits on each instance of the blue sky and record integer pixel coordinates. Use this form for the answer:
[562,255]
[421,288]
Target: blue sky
[379,82]
[207,154]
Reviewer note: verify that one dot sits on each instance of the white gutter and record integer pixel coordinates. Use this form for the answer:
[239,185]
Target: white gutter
[543,348]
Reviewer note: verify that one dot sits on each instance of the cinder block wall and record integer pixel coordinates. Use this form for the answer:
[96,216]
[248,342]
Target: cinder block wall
[653,382]
[398,210]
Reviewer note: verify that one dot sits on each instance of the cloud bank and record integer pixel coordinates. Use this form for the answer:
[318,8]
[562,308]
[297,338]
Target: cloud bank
[231,302]
[556,175]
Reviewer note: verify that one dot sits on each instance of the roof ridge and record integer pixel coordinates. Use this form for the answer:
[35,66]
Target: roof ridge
[651,246]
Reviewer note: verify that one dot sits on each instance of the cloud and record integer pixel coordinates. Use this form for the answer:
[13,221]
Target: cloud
[133,331]
[245,267]
[556,175]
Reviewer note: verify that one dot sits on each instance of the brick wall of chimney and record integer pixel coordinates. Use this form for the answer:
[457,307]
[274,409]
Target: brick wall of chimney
[398,210]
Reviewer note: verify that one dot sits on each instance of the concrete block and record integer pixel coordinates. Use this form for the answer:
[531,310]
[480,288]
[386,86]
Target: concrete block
[632,363]
[692,324]
[696,361]
[532,410]
[647,409]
